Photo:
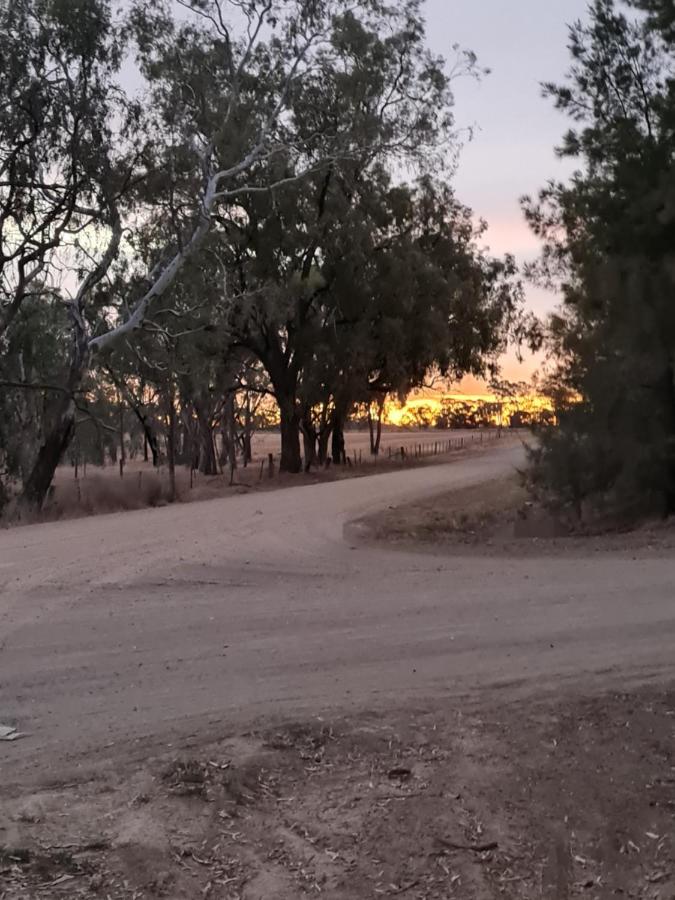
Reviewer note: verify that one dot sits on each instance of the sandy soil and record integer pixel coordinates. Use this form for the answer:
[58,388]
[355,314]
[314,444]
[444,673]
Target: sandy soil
[154,660]
[553,799]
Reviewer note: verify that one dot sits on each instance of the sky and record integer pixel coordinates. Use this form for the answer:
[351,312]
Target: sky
[523,43]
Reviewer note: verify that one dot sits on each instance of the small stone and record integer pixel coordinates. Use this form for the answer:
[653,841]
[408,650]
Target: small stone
[96,882]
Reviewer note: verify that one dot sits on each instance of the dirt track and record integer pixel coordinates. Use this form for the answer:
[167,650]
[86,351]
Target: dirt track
[205,617]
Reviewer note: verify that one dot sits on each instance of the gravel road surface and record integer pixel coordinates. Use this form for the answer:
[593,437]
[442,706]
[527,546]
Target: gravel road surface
[124,631]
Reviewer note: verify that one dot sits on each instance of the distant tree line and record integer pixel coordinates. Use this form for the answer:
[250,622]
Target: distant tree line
[520,409]
[232,230]
[609,234]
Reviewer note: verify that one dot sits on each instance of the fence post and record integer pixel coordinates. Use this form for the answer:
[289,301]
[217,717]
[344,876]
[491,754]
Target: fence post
[270,465]
[262,469]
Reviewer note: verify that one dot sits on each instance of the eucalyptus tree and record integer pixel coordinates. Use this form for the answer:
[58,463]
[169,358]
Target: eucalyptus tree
[397,287]
[391,100]
[56,96]
[214,124]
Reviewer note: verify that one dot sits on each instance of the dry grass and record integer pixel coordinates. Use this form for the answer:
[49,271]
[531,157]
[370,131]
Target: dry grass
[465,515]
[97,491]
[104,494]
[499,517]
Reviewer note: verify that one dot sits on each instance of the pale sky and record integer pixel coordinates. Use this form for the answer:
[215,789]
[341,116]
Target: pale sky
[522,42]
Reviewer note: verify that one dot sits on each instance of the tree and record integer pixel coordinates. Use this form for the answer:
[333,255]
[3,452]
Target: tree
[609,235]
[419,415]
[398,288]
[215,120]
[384,90]
[375,422]
[241,213]
[58,60]
[58,183]
[35,350]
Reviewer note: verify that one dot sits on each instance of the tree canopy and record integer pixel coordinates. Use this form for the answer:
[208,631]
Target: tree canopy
[236,228]
[609,236]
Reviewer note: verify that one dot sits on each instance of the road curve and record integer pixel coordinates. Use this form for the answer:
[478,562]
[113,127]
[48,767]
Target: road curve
[147,626]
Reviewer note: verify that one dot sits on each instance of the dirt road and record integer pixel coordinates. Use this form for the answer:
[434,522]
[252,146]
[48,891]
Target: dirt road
[122,631]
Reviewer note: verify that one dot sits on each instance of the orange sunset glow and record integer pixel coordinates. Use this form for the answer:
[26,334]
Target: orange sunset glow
[427,409]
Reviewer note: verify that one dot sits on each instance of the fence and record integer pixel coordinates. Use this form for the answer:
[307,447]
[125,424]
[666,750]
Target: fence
[266,466]
[399,455]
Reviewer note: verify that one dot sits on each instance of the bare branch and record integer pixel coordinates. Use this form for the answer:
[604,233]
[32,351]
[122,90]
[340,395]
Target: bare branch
[34,386]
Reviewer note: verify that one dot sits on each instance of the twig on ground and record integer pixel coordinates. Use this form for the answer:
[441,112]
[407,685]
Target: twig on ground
[472,848]
[98,844]
[405,887]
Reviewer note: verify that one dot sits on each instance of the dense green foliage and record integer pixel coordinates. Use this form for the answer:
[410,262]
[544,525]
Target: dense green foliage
[609,237]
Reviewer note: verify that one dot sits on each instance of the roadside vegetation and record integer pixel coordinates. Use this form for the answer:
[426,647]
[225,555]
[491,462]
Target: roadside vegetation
[609,237]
